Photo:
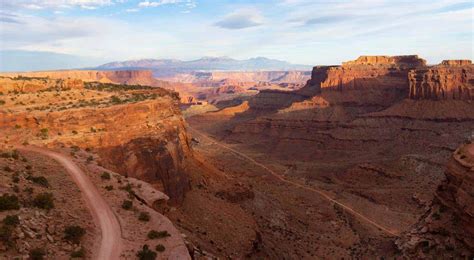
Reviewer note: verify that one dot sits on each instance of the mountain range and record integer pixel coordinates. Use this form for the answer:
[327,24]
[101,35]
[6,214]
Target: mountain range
[168,67]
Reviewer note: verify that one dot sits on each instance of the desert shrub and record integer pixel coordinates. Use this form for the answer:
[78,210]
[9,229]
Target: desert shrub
[127,204]
[44,201]
[146,254]
[44,133]
[90,158]
[7,169]
[37,253]
[29,190]
[105,176]
[74,233]
[11,220]
[28,167]
[6,234]
[144,216]
[40,180]
[9,202]
[81,253]
[74,132]
[160,248]
[2,102]
[17,126]
[15,155]
[109,187]
[153,234]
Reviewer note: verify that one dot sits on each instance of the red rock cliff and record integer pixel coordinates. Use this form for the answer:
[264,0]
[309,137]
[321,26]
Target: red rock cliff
[447,229]
[449,80]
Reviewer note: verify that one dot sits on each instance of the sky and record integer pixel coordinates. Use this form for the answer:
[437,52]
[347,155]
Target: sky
[52,34]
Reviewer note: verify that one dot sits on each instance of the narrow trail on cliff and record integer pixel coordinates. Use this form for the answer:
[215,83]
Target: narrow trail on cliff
[111,239]
[318,191]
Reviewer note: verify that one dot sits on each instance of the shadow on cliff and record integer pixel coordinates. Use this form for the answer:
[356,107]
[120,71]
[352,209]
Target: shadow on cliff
[357,96]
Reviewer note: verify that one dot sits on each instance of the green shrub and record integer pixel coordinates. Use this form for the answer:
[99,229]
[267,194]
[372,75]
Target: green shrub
[37,253]
[44,133]
[6,233]
[127,204]
[160,248]
[144,216]
[11,220]
[146,254]
[153,234]
[74,234]
[44,201]
[105,176]
[81,253]
[9,202]
[40,180]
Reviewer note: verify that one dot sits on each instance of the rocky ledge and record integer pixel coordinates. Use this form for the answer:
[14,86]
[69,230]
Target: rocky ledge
[446,230]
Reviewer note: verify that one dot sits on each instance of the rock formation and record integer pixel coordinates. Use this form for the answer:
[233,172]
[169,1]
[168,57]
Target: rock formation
[452,79]
[446,230]
[406,61]
[137,131]
[129,77]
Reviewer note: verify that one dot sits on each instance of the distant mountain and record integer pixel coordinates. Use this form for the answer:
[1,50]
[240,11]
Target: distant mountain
[169,67]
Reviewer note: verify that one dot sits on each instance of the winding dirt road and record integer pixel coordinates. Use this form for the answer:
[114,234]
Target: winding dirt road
[320,192]
[111,239]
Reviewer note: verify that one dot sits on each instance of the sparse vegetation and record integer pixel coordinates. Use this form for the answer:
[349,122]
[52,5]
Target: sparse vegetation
[144,216]
[74,233]
[146,253]
[11,220]
[44,201]
[127,204]
[44,133]
[81,253]
[160,248]
[153,234]
[9,202]
[37,253]
[40,180]
[105,176]
[109,187]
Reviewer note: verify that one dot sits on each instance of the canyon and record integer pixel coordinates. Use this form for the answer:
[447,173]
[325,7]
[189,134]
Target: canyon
[370,158]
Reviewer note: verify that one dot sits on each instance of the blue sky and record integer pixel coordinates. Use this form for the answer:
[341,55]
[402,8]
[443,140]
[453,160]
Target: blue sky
[50,34]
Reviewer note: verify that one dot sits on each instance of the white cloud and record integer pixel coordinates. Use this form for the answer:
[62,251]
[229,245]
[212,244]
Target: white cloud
[158,3]
[55,4]
[240,19]
[131,10]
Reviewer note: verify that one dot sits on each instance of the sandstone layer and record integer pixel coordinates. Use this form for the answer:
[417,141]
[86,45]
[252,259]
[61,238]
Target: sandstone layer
[138,131]
[451,80]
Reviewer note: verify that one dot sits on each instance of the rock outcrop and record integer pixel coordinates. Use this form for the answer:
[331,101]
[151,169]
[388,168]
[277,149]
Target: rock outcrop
[137,131]
[447,230]
[129,77]
[451,80]
[406,61]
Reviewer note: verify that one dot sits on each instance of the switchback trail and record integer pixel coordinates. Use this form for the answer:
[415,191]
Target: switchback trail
[111,240]
[320,192]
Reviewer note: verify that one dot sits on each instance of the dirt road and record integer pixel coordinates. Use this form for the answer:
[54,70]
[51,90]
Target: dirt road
[111,240]
[320,192]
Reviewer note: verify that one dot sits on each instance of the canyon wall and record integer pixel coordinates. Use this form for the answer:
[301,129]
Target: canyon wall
[136,131]
[446,230]
[243,76]
[451,80]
